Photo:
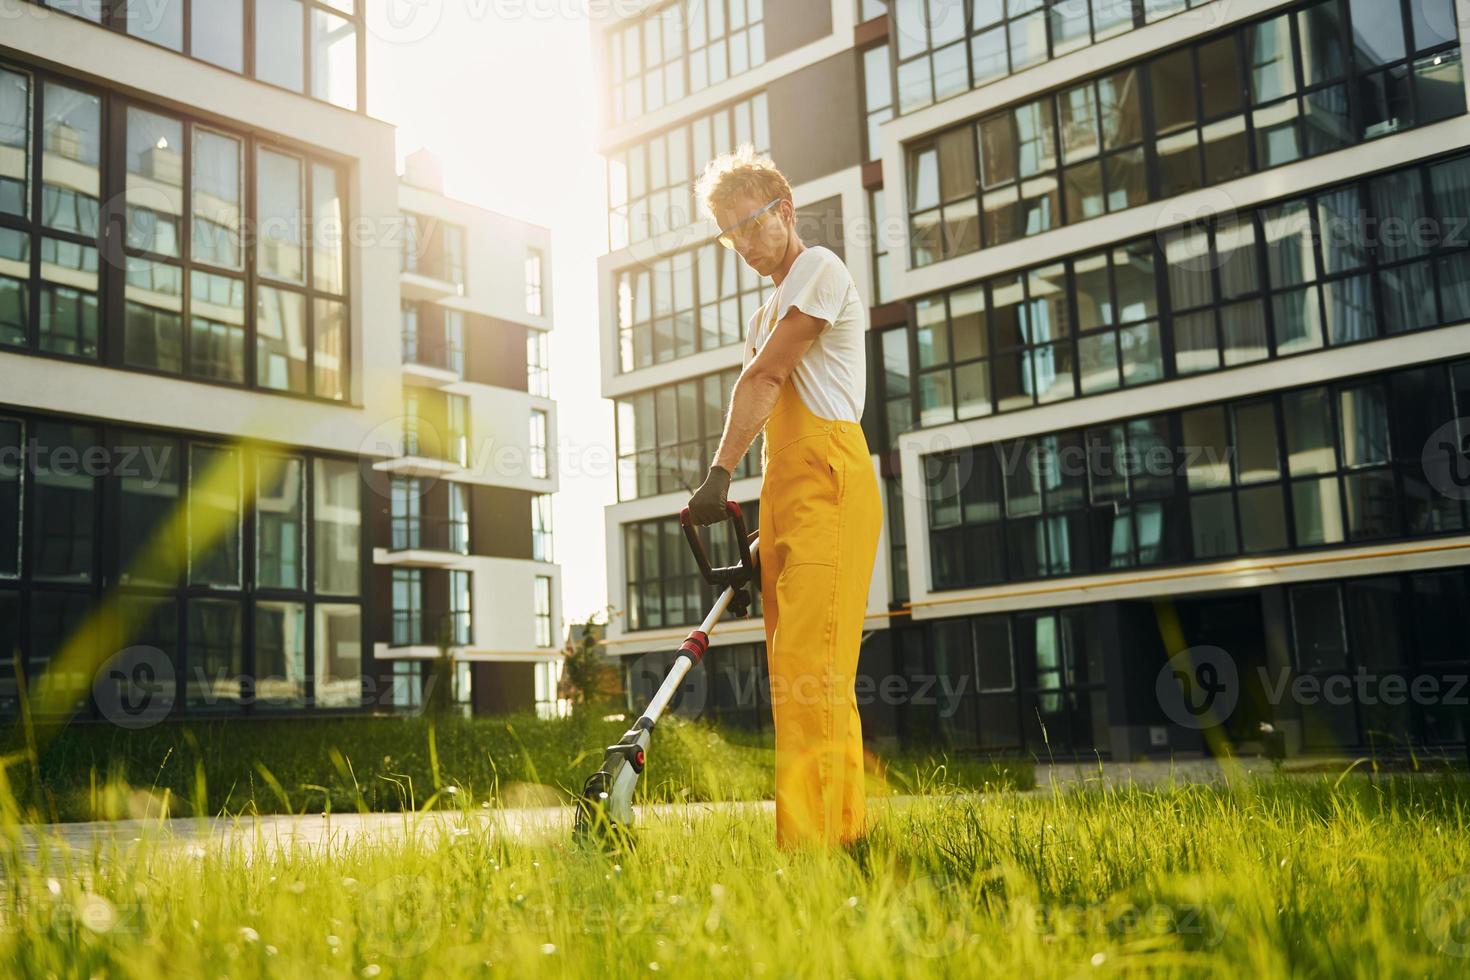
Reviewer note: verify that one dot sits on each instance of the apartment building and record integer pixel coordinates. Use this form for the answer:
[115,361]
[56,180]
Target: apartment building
[1168,353]
[465,562]
[203,391]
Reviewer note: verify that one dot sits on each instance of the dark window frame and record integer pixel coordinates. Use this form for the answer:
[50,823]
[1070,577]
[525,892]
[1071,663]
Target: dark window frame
[1352,79]
[112,250]
[103,588]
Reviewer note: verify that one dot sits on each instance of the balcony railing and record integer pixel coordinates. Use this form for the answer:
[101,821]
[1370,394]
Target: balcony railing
[430,534]
[429,352]
[416,627]
[427,442]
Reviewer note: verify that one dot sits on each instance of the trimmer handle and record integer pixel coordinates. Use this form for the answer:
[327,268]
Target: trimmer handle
[736,575]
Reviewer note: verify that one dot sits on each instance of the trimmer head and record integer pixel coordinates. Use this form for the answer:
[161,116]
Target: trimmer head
[604,816]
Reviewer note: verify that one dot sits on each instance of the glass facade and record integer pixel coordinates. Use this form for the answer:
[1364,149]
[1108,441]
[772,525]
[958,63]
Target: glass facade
[1330,465]
[667,437]
[681,48]
[309,46]
[1031,681]
[679,304]
[650,185]
[433,336]
[436,425]
[1398,631]
[232,561]
[1373,258]
[176,302]
[947,47]
[1302,82]
[434,248]
[664,588]
[737,691]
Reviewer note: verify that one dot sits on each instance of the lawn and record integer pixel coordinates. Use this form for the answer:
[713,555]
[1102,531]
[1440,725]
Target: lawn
[1271,876]
[357,764]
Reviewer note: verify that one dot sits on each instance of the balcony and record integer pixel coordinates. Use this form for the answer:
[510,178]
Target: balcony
[431,362]
[426,542]
[427,441]
[418,286]
[433,259]
[418,628]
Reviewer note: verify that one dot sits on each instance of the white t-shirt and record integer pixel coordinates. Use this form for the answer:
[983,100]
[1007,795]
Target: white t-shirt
[831,377]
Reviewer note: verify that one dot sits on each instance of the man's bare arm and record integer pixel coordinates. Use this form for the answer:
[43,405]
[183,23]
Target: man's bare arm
[760,384]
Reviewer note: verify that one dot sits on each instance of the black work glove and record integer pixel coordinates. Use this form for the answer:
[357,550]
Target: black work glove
[707,506]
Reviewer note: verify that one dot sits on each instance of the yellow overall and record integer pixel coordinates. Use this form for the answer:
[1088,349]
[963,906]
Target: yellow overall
[820,516]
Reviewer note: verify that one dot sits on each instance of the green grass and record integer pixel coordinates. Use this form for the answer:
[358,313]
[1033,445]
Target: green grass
[1281,876]
[91,772]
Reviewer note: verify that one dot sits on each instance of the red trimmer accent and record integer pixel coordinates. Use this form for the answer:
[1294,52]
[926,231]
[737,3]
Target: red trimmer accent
[695,644]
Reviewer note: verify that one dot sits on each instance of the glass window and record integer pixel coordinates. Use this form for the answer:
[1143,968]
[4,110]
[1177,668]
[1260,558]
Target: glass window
[155,182]
[538,371]
[15,291]
[147,621]
[328,230]
[15,140]
[71,160]
[1317,620]
[333,58]
[338,663]
[220,37]
[1363,422]
[214,516]
[407,606]
[1377,32]
[11,468]
[280,654]
[215,663]
[153,323]
[151,521]
[337,526]
[1257,455]
[533,281]
[538,444]
[280,339]
[543,611]
[68,298]
[53,628]
[281,59]
[1309,442]
[280,206]
[64,511]
[280,522]
[330,367]
[216,327]
[217,198]
[541,533]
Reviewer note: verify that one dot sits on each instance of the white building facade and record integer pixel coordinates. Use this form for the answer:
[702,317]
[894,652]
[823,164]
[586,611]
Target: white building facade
[1167,360]
[203,391]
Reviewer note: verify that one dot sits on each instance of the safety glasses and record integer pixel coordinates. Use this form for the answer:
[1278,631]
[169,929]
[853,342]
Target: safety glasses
[728,236]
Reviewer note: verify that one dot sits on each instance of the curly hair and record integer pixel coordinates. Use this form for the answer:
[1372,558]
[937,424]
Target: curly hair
[740,173]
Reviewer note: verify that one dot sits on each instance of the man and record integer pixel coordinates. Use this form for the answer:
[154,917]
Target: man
[802,387]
